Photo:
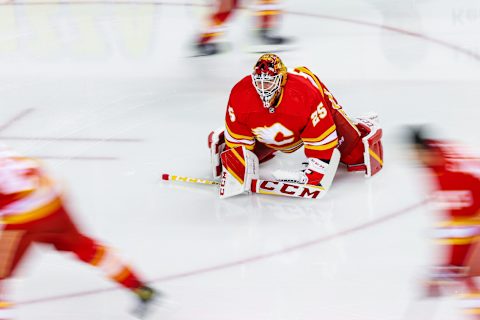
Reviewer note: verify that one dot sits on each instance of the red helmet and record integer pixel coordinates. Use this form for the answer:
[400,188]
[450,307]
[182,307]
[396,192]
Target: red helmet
[268,77]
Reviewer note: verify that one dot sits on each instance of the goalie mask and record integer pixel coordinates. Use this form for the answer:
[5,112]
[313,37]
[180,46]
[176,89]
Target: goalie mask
[268,77]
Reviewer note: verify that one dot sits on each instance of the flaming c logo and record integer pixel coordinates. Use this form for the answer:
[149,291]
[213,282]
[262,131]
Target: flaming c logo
[270,135]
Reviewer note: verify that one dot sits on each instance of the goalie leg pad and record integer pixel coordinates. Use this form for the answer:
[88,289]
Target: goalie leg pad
[375,153]
[240,166]
[216,144]
[371,133]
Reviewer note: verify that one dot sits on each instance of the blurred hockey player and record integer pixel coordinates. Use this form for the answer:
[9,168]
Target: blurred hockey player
[278,110]
[456,184]
[32,211]
[267,13]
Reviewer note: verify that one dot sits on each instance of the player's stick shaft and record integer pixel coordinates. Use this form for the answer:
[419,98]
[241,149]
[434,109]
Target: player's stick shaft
[263,186]
[170,177]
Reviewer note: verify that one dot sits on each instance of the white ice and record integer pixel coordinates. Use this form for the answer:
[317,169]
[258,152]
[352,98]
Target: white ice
[69,72]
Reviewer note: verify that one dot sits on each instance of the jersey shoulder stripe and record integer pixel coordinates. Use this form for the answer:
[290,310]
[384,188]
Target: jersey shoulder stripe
[324,135]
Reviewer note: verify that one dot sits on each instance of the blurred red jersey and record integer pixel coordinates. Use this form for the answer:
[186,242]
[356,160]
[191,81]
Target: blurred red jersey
[458,182]
[306,115]
[457,179]
[26,193]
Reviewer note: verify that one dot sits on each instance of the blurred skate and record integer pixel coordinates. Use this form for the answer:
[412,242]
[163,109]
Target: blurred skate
[206,49]
[148,297]
[268,37]
[267,40]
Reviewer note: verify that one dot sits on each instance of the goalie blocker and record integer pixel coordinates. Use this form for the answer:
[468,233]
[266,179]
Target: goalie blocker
[240,175]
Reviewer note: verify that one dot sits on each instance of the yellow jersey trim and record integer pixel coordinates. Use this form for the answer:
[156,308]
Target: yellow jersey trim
[459,241]
[327,146]
[268,13]
[313,76]
[233,145]
[33,215]
[238,136]
[461,222]
[322,136]
[5,305]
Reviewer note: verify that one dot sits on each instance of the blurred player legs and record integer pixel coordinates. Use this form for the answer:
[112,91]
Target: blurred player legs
[32,211]
[267,13]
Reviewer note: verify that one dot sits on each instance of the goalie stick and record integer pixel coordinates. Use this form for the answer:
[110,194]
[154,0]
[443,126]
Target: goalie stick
[169,177]
[260,186]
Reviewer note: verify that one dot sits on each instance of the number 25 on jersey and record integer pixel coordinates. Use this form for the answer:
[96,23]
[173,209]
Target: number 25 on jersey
[318,114]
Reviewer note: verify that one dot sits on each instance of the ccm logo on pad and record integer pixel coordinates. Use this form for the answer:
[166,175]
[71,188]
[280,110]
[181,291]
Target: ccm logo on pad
[222,183]
[288,189]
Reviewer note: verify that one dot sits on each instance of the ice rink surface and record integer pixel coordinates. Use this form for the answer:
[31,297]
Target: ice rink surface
[107,95]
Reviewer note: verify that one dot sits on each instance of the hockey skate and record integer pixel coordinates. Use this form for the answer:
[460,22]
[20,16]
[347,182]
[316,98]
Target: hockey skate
[147,297]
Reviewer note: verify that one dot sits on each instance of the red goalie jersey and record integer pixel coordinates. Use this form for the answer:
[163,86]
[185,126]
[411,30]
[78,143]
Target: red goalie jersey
[307,114]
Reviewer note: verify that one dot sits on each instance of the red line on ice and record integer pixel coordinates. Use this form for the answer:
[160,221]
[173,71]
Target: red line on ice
[442,43]
[236,263]
[445,44]
[15,119]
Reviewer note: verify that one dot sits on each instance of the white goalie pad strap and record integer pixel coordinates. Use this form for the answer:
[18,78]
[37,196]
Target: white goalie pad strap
[216,144]
[240,167]
[289,176]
